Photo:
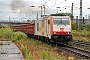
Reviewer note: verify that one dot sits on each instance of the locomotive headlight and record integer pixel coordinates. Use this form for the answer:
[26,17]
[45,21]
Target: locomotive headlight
[67,32]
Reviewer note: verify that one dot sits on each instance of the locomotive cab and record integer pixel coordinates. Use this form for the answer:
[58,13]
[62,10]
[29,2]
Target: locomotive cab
[61,29]
[55,29]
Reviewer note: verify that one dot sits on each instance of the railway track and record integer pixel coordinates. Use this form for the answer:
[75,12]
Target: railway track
[76,51]
[79,43]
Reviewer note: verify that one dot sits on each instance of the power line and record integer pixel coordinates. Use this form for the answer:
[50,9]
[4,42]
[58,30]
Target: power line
[72,12]
[82,2]
[57,3]
[46,2]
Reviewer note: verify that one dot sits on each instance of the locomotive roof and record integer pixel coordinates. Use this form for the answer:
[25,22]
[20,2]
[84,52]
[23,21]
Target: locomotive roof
[45,17]
[57,15]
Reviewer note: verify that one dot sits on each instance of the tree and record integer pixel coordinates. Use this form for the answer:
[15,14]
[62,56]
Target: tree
[89,17]
[67,14]
[28,20]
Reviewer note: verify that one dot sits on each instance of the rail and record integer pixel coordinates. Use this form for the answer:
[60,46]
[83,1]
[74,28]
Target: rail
[82,53]
[80,43]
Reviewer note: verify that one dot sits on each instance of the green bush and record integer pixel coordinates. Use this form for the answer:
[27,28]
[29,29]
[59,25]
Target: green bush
[8,33]
[80,30]
[73,26]
[85,33]
[19,35]
[78,27]
[87,27]
[76,32]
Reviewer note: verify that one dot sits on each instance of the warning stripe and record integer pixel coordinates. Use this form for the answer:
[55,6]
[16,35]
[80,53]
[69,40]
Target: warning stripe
[42,27]
[71,26]
[51,26]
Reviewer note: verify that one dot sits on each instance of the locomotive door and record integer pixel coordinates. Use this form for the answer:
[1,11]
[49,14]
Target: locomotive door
[48,28]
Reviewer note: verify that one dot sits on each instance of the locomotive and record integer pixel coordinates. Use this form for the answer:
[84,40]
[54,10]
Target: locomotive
[49,28]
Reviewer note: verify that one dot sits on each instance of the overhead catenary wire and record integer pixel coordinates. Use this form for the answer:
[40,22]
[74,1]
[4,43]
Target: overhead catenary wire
[76,4]
[57,3]
[62,6]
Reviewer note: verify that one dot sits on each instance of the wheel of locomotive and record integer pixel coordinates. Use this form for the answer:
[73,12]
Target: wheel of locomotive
[28,35]
[52,42]
[48,40]
[44,39]
[39,38]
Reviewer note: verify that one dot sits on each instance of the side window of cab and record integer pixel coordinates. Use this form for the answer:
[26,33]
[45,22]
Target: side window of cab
[48,21]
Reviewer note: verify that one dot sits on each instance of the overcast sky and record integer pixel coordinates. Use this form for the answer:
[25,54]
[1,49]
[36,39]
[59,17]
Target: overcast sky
[17,9]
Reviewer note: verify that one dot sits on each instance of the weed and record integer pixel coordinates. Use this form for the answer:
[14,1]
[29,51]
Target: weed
[87,48]
[26,52]
[37,50]
[8,33]
[1,43]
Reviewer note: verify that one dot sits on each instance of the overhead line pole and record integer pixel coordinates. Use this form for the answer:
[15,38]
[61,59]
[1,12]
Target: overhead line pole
[44,8]
[81,12]
[72,12]
[41,8]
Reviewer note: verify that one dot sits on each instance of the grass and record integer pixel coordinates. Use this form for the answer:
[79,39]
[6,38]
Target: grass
[87,48]
[8,34]
[1,43]
[33,49]
[85,36]
[81,33]
[80,38]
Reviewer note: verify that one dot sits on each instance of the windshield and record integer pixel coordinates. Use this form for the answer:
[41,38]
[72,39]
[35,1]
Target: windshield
[61,21]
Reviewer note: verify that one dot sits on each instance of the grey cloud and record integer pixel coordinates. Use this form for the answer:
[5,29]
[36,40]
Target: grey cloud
[17,4]
[3,4]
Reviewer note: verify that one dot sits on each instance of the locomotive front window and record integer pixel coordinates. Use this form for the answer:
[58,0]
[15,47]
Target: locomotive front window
[61,21]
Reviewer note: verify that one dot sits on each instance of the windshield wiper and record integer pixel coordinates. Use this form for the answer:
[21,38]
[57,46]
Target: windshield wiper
[61,23]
